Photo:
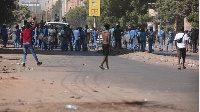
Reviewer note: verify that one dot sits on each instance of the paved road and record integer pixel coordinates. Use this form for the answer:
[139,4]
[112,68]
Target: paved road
[132,80]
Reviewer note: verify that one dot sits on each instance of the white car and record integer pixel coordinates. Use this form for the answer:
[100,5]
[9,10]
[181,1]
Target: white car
[59,25]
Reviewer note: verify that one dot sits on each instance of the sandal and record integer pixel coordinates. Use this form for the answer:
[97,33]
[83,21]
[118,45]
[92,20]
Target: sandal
[179,67]
[101,67]
[107,68]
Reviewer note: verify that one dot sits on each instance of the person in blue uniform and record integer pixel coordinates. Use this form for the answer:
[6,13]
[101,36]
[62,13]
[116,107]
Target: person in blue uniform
[170,41]
[132,36]
[45,39]
[17,38]
[76,39]
[94,36]
[112,39]
[161,39]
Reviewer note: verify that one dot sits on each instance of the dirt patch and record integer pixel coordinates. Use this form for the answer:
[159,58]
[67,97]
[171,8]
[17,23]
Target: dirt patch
[134,106]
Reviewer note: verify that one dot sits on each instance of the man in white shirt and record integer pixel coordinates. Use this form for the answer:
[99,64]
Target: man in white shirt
[182,46]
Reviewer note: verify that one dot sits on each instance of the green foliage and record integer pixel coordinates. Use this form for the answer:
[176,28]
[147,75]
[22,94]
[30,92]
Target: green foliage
[194,19]
[20,13]
[192,11]
[11,12]
[7,6]
[135,12]
[169,10]
[76,17]
[126,12]
[57,7]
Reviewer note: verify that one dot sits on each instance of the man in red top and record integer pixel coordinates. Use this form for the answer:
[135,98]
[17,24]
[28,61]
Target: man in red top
[27,42]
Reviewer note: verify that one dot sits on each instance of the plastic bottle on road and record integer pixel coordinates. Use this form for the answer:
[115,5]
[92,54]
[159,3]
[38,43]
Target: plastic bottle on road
[71,107]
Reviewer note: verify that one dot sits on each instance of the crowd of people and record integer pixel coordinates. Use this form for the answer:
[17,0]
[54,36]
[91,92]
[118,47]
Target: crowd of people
[82,39]
[136,39]
[133,38]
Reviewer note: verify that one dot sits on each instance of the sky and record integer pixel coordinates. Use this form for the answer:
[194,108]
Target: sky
[42,2]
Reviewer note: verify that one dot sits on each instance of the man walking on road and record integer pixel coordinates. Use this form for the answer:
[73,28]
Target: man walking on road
[181,39]
[105,45]
[27,42]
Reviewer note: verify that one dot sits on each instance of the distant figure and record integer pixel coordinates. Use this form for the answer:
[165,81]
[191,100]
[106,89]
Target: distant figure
[56,38]
[94,37]
[194,38]
[71,38]
[170,41]
[27,42]
[64,20]
[105,45]
[181,39]
[112,39]
[132,39]
[4,34]
[36,34]
[76,38]
[82,39]
[51,38]
[42,24]
[40,36]
[21,38]
[56,18]
[17,38]
[45,38]
[151,37]
[161,39]
[137,30]
[126,38]
[117,34]
[65,35]
[143,40]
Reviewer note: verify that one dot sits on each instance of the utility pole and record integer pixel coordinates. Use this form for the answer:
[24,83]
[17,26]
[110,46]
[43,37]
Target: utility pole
[46,15]
[94,21]
[52,10]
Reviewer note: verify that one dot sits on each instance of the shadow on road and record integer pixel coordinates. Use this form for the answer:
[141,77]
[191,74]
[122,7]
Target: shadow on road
[114,52]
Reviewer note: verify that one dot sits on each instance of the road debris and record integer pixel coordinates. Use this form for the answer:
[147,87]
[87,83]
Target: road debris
[71,107]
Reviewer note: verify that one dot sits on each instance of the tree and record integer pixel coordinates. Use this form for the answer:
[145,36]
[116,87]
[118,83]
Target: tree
[76,17]
[12,12]
[169,10]
[57,7]
[126,12]
[192,12]
[194,19]
[7,6]
[20,13]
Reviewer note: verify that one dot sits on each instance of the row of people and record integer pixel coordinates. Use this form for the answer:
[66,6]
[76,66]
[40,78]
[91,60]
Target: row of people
[137,38]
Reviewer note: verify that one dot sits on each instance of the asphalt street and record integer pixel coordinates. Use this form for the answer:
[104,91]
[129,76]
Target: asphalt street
[161,84]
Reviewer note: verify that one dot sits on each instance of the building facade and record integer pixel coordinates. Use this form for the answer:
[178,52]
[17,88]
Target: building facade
[33,6]
[49,4]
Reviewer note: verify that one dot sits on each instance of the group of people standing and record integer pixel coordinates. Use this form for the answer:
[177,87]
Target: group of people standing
[138,38]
